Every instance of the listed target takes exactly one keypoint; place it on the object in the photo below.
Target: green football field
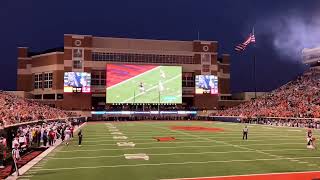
(192, 154)
(129, 91)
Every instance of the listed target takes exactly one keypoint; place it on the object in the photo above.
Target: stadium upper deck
(42, 74)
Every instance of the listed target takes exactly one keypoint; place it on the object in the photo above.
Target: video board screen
(206, 84)
(141, 84)
(79, 82)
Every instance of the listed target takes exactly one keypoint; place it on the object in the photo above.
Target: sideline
(37, 159)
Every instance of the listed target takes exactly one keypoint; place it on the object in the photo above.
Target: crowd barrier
(82, 119)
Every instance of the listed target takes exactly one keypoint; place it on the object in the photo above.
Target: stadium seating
(298, 98)
(14, 109)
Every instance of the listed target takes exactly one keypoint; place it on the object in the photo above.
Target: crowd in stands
(14, 109)
(298, 98)
(290, 122)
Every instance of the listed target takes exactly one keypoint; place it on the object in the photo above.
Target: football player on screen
(161, 87)
(141, 87)
(162, 74)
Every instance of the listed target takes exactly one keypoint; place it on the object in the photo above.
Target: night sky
(282, 28)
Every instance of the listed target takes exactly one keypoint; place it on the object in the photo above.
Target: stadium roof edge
(51, 50)
(141, 39)
(77, 35)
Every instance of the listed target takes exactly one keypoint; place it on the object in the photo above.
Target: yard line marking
(180, 136)
(170, 147)
(166, 147)
(312, 165)
(182, 142)
(87, 157)
(25, 176)
(295, 130)
(182, 153)
(233, 124)
(241, 147)
(168, 154)
(161, 164)
(302, 162)
(37, 167)
(226, 143)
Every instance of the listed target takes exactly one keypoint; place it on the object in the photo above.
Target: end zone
(308, 175)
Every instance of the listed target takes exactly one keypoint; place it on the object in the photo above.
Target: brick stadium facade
(42, 74)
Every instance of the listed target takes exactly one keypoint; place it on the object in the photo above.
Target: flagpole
(159, 103)
(254, 67)
(254, 75)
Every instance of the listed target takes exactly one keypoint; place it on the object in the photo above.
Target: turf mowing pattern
(191, 154)
(129, 92)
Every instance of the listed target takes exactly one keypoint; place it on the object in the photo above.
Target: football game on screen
(127, 83)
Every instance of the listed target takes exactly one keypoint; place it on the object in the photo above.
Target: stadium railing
(43, 120)
(240, 118)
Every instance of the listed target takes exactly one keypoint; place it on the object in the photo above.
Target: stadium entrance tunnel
(196, 128)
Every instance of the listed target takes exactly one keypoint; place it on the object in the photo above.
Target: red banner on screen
(117, 73)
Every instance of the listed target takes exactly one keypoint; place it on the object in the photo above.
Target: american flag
(242, 46)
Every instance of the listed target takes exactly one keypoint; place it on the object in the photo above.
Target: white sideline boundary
(173, 163)
(37, 159)
(245, 175)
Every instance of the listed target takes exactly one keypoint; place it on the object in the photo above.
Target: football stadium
(127, 108)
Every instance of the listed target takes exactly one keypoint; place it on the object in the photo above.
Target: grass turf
(192, 154)
(129, 92)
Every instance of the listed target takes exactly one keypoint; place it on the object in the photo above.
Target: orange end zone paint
(272, 176)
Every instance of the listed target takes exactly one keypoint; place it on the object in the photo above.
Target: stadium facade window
(38, 81)
(98, 78)
(59, 96)
(49, 96)
(77, 64)
(188, 79)
(144, 58)
(205, 68)
(38, 96)
(48, 80)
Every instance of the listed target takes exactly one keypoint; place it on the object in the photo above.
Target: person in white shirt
(14, 142)
(16, 158)
(245, 132)
(67, 135)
